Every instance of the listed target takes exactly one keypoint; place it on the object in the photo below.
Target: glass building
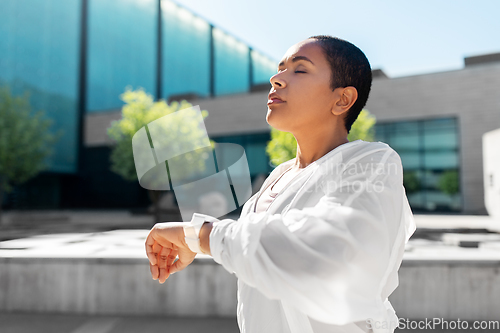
(429, 151)
(255, 146)
(75, 57)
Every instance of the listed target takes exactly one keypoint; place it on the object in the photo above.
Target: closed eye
(295, 72)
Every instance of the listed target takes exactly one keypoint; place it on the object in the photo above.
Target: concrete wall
(114, 286)
(448, 289)
(468, 289)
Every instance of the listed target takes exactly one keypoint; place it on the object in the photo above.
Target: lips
(274, 98)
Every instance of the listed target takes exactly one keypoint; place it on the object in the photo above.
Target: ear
(344, 99)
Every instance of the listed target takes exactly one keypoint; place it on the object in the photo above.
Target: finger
(183, 262)
(177, 266)
(150, 242)
(162, 264)
(171, 258)
(163, 257)
(156, 250)
(154, 271)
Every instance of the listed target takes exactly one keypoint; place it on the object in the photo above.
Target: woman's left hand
(164, 243)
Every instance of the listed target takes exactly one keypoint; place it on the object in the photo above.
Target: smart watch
(192, 231)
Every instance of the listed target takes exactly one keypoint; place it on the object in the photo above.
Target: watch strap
(192, 231)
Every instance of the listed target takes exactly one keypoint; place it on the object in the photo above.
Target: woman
(317, 249)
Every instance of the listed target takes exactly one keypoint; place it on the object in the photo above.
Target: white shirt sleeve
(329, 260)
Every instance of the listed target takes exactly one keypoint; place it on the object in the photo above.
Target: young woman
(318, 248)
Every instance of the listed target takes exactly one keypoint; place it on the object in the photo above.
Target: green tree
(141, 109)
(283, 145)
(411, 182)
(449, 182)
(25, 141)
(363, 128)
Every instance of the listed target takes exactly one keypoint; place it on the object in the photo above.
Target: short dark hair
(350, 67)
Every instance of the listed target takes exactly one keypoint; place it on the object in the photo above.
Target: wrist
(192, 232)
(205, 231)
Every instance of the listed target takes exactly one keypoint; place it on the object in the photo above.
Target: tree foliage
(25, 140)
(449, 182)
(139, 110)
(283, 145)
(411, 182)
(363, 128)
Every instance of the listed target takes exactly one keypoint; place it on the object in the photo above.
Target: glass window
(410, 159)
(441, 159)
(255, 150)
(231, 64)
(256, 157)
(121, 50)
(405, 140)
(430, 158)
(263, 68)
(441, 139)
(185, 53)
(403, 135)
(39, 53)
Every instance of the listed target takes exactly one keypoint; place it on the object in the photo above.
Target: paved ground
(100, 235)
(448, 237)
(58, 323)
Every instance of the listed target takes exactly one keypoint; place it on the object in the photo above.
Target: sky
(402, 38)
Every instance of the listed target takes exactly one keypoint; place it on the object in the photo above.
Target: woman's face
(304, 87)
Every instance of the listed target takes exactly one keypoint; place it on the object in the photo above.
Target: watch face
(198, 219)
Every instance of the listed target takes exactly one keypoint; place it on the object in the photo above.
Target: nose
(276, 80)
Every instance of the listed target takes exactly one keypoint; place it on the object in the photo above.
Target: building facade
(76, 57)
(436, 122)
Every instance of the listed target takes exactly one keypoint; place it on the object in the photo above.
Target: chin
(275, 123)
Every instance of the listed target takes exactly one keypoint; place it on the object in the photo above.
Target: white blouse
(265, 198)
(324, 255)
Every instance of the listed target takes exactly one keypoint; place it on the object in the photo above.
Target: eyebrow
(295, 59)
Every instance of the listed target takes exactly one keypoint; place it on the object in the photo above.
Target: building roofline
(482, 59)
(223, 30)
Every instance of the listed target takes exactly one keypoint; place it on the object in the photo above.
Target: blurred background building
(76, 57)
